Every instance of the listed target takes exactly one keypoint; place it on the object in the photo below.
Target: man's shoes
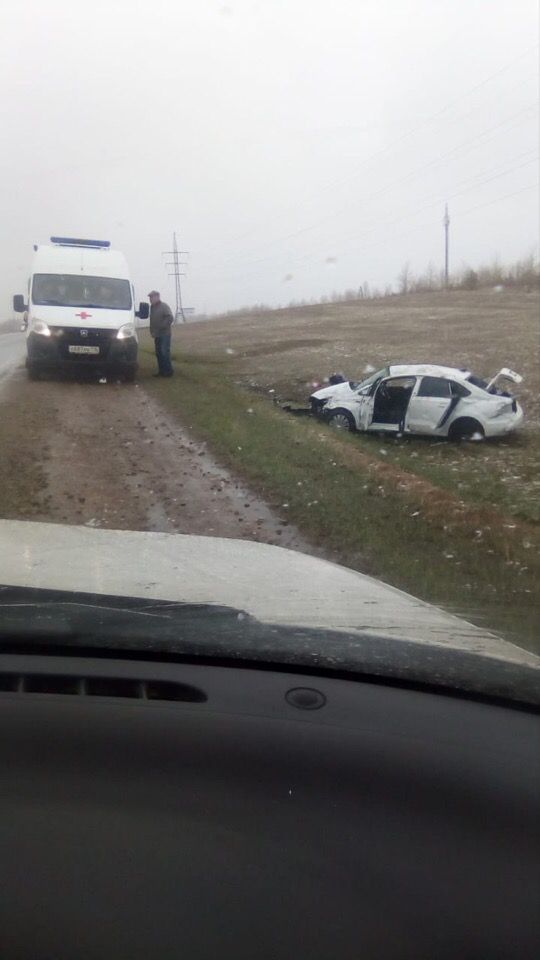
(157, 374)
(171, 374)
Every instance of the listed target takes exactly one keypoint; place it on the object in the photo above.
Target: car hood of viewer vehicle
(79, 591)
(272, 584)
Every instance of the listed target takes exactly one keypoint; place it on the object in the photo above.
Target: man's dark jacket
(161, 319)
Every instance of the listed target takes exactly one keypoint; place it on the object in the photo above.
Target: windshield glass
(309, 199)
(70, 290)
(374, 378)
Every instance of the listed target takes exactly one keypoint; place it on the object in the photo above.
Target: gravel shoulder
(106, 455)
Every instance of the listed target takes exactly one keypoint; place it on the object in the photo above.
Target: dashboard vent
(125, 687)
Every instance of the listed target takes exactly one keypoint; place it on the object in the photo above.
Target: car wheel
(33, 372)
(342, 420)
(466, 428)
(130, 375)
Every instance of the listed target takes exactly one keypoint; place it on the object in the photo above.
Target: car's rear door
(428, 405)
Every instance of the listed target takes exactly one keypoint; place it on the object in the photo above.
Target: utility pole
(176, 263)
(446, 222)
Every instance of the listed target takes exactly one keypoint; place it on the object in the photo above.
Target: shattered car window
(373, 379)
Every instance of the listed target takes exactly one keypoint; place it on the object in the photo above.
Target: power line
(440, 112)
(402, 180)
(408, 133)
(437, 200)
(406, 233)
(476, 181)
(399, 182)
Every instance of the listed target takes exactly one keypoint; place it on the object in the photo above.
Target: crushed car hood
(335, 390)
(272, 584)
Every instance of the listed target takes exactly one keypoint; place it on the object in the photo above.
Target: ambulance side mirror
(19, 305)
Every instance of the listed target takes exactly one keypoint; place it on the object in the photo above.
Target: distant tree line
(524, 274)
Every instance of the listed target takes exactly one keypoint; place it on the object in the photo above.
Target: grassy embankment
(450, 524)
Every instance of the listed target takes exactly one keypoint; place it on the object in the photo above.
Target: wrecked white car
(423, 399)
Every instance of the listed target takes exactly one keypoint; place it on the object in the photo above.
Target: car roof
(427, 370)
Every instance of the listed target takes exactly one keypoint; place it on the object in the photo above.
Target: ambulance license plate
(79, 348)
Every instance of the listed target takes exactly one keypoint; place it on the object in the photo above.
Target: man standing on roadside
(161, 321)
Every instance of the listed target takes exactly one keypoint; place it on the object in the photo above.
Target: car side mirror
(143, 312)
(19, 305)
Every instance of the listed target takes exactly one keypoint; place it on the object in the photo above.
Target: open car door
(364, 407)
(390, 402)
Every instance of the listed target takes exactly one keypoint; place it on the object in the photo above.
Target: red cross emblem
(83, 315)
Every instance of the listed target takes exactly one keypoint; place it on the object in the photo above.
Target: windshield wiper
(106, 306)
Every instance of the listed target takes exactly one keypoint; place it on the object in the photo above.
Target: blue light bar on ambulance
(74, 242)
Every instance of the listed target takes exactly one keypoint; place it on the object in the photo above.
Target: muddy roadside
(106, 455)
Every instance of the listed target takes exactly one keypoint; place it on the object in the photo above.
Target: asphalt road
(12, 352)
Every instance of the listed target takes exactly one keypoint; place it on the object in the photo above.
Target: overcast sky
(297, 146)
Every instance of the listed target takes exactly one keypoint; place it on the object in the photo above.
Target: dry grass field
(289, 350)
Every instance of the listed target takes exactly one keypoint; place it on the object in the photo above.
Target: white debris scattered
(229, 350)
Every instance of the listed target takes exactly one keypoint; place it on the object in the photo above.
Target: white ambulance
(80, 312)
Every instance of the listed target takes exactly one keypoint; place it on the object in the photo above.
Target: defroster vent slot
(126, 687)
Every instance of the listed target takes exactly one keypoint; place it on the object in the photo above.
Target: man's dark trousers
(163, 354)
